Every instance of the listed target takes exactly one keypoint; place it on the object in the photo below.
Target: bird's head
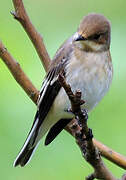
(93, 33)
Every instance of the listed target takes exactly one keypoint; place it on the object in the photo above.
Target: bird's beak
(79, 37)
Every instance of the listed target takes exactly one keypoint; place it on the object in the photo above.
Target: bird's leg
(70, 112)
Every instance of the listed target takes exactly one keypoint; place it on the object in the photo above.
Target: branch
(37, 40)
(18, 74)
(84, 135)
(110, 154)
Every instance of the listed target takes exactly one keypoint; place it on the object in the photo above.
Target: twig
(105, 151)
(111, 155)
(84, 136)
(18, 74)
(37, 40)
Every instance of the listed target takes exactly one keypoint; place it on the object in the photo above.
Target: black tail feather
(24, 157)
(55, 130)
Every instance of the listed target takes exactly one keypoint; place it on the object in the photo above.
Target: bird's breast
(92, 74)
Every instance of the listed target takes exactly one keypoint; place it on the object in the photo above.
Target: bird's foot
(69, 112)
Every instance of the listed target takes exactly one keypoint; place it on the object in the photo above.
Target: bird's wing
(50, 89)
(51, 86)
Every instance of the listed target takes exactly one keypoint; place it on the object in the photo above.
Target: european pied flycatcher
(85, 61)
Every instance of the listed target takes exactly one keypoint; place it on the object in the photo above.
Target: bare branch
(84, 136)
(105, 151)
(37, 40)
(18, 74)
(110, 154)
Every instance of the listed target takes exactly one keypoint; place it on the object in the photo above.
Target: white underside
(93, 82)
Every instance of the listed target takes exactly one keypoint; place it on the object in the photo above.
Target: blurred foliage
(57, 20)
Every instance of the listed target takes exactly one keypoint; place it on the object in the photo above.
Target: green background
(56, 20)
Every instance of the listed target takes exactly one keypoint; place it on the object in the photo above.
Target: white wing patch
(49, 80)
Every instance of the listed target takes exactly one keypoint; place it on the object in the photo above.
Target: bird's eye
(96, 36)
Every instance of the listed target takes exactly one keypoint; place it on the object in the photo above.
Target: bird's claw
(69, 110)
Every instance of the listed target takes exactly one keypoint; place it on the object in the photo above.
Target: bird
(85, 61)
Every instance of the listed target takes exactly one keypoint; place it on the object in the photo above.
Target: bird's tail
(24, 157)
(29, 146)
